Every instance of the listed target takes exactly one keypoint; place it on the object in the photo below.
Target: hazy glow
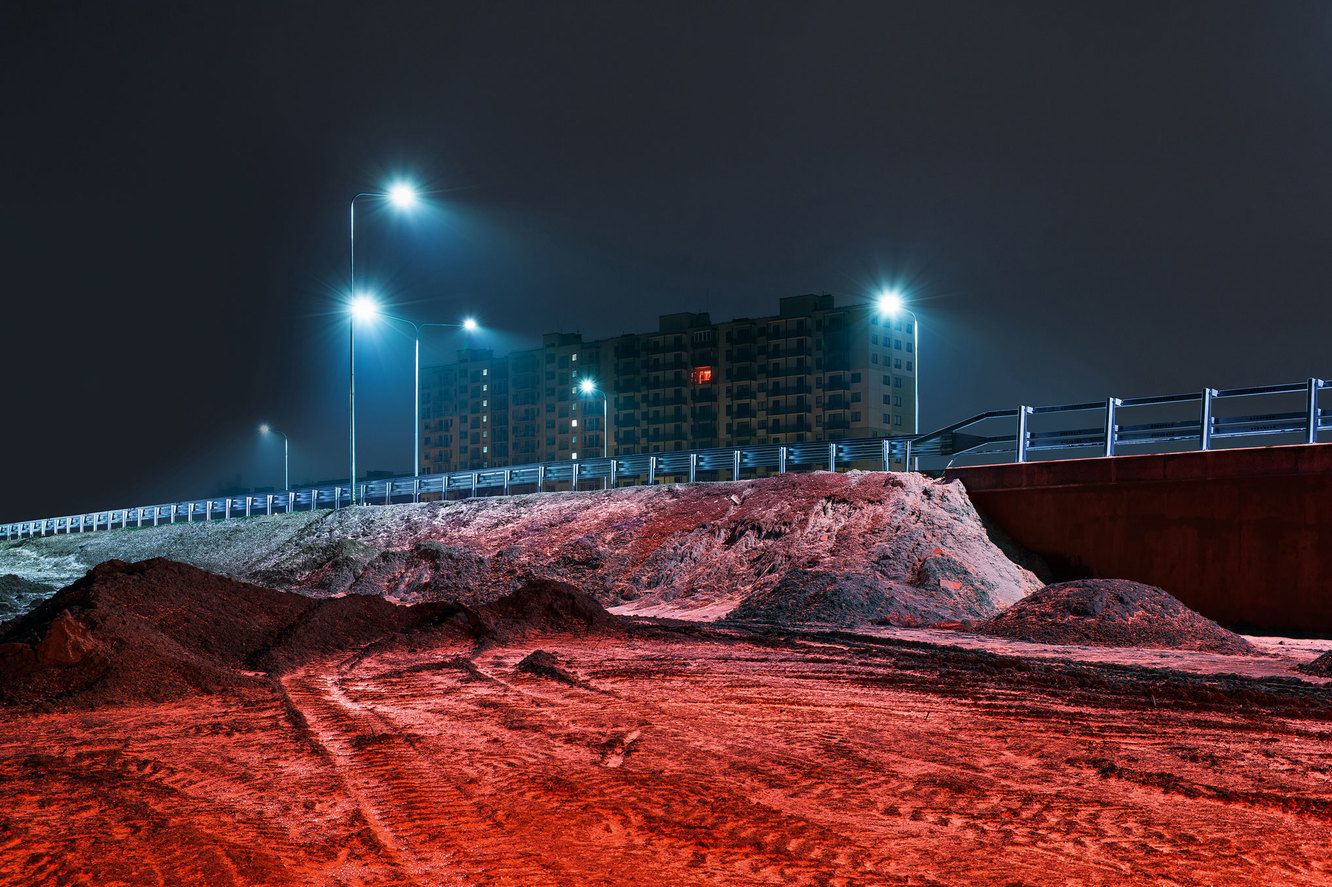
(587, 386)
(364, 308)
(891, 302)
(402, 195)
(470, 325)
(264, 429)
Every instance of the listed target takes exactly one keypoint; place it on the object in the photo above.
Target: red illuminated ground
(687, 756)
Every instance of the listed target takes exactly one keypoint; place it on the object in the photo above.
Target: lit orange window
(701, 375)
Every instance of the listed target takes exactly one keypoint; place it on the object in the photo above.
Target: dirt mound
(159, 630)
(819, 597)
(544, 606)
(1319, 668)
(1112, 613)
(544, 664)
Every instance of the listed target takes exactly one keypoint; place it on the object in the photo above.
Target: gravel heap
(1320, 667)
(1112, 613)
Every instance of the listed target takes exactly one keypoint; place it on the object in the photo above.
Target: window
(887, 380)
(700, 375)
(897, 401)
(573, 455)
(574, 423)
(897, 343)
(897, 381)
(897, 363)
(485, 387)
(855, 378)
(573, 357)
(874, 340)
(897, 420)
(874, 358)
(485, 372)
(886, 401)
(908, 366)
(887, 419)
(908, 348)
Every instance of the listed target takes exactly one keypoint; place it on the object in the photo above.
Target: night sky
(1080, 199)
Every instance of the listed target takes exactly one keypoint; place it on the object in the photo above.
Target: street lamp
(890, 304)
(589, 388)
(268, 429)
(402, 196)
(468, 324)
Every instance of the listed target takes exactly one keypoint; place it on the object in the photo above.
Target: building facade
(813, 371)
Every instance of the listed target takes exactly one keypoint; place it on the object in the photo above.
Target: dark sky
(1081, 199)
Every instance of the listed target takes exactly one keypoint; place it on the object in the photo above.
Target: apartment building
(813, 371)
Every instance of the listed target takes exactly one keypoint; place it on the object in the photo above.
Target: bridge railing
(1292, 413)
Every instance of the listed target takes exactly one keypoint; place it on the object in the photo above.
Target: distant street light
(589, 388)
(890, 304)
(469, 325)
(402, 196)
(268, 429)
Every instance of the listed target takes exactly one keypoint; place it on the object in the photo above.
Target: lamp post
(589, 388)
(268, 429)
(403, 196)
(468, 325)
(891, 304)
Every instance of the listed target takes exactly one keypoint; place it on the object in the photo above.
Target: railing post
(473, 496)
(337, 497)
(249, 504)
(906, 456)
(1022, 433)
(735, 465)
(364, 489)
(573, 477)
(832, 457)
(693, 466)
(887, 453)
(541, 478)
(1312, 436)
(781, 459)
(652, 471)
(416, 489)
(1205, 423)
(1111, 429)
(138, 516)
(268, 504)
(614, 474)
(508, 473)
(388, 492)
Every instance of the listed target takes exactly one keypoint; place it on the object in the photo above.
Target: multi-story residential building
(814, 371)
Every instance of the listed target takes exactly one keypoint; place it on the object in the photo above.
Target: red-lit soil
(687, 755)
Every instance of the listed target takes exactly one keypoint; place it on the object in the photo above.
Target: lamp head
(587, 386)
(890, 302)
(402, 195)
(264, 429)
(469, 324)
(364, 308)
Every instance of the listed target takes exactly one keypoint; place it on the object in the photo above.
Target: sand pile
(159, 630)
(692, 551)
(895, 547)
(1320, 667)
(845, 600)
(1112, 613)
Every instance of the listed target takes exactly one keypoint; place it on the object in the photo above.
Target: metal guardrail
(1014, 435)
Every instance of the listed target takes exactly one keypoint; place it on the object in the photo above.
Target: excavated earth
(159, 736)
(438, 695)
(912, 549)
(1112, 613)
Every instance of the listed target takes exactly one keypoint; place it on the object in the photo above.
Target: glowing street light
(890, 304)
(402, 196)
(589, 389)
(468, 324)
(268, 429)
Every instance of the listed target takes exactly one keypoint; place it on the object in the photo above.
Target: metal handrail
(962, 439)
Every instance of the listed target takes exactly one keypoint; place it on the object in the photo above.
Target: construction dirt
(1112, 613)
(540, 740)
(915, 547)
